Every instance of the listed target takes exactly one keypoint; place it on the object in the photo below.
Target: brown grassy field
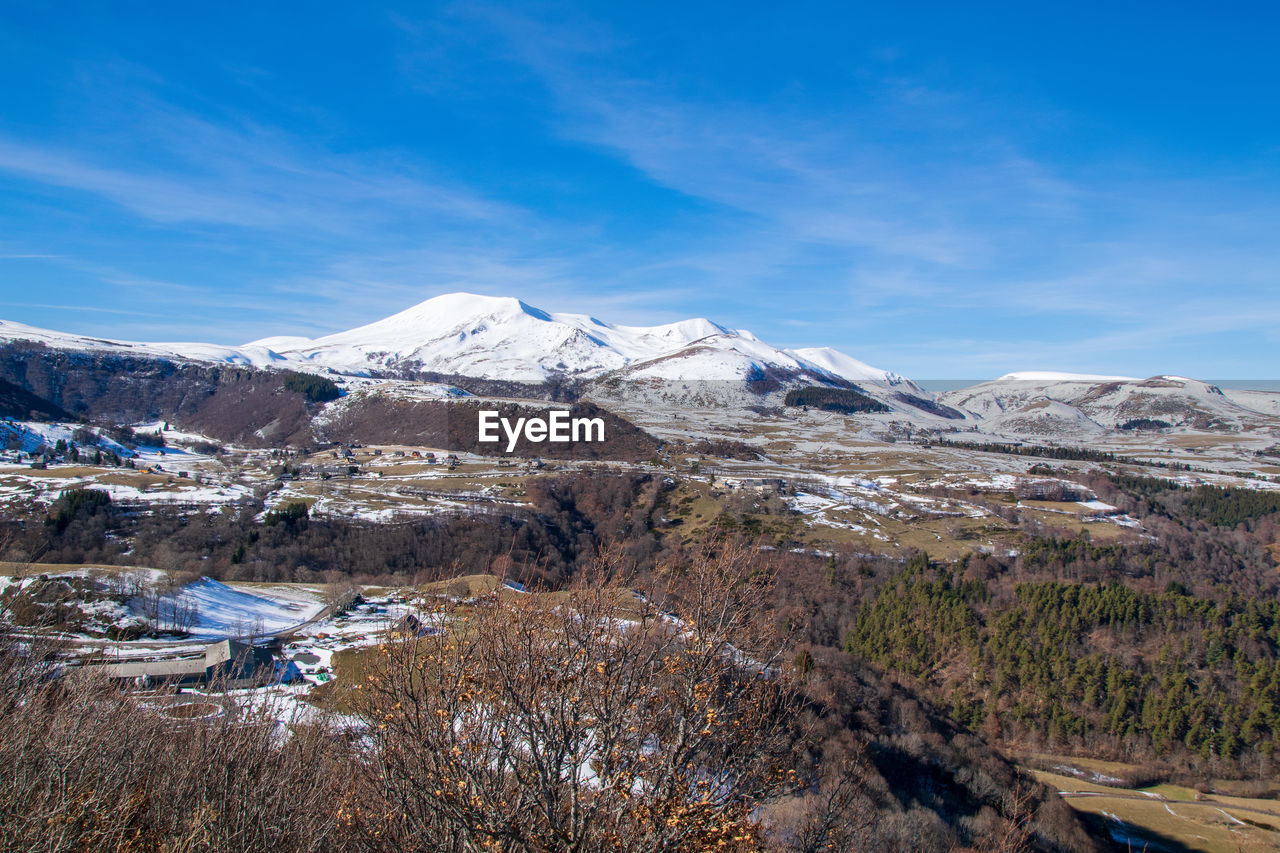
(1165, 815)
(8, 567)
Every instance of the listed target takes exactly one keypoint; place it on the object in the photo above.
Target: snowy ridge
(1057, 376)
(503, 338)
(1033, 403)
(250, 354)
(846, 367)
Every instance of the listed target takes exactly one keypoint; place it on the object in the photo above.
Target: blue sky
(946, 190)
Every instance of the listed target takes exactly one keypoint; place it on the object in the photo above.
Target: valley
(1079, 567)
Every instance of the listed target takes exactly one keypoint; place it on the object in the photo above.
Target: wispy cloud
(839, 181)
(964, 216)
(91, 309)
(179, 167)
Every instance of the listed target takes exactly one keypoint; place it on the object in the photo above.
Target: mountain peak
(462, 306)
(502, 337)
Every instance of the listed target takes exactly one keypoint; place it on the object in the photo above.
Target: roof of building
(226, 654)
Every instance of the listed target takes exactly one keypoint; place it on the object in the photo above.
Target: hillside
(1102, 402)
(490, 338)
(504, 347)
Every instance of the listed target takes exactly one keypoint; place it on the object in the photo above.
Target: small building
(229, 664)
(759, 485)
(765, 485)
(411, 626)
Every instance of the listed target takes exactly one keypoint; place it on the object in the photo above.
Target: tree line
(1100, 667)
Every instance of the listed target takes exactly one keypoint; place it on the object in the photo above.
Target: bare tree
(340, 592)
(835, 813)
(86, 767)
(176, 615)
(592, 721)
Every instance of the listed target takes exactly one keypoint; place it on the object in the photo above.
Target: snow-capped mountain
(487, 337)
(1050, 403)
(505, 338)
(491, 338)
(250, 354)
(692, 362)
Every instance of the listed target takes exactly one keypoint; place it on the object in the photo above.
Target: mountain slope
(504, 338)
(505, 345)
(1044, 403)
(20, 404)
(250, 354)
(500, 338)
(836, 362)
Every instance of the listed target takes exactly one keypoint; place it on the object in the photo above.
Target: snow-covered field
(148, 473)
(224, 610)
(131, 598)
(19, 482)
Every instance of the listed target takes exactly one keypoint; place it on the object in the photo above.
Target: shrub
(1144, 423)
(76, 502)
(847, 401)
(291, 515)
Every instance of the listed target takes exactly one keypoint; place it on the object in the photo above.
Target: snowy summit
(489, 337)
